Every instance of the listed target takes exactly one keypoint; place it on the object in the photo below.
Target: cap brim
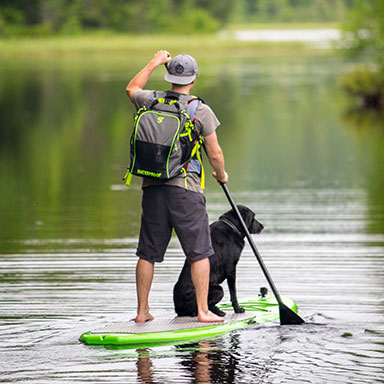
(180, 80)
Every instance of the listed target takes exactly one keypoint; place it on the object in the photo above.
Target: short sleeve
(206, 121)
(140, 98)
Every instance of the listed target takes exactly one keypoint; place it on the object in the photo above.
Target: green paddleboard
(172, 329)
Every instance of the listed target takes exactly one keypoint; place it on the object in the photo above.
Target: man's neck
(185, 89)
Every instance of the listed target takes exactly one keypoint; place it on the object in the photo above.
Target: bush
(193, 21)
(367, 85)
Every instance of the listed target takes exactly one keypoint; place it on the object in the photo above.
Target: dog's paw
(217, 311)
(239, 310)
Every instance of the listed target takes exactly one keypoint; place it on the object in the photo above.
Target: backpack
(164, 139)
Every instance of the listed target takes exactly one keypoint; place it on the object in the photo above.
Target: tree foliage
(366, 85)
(364, 33)
(293, 10)
(135, 16)
(364, 29)
(18, 17)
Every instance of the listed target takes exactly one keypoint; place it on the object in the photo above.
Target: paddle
(287, 316)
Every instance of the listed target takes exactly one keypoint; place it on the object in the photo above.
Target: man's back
(205, 123)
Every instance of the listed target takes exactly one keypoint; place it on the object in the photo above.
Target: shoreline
(236, 41)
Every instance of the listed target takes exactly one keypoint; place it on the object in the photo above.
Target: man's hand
(223, 179)
(161, 57)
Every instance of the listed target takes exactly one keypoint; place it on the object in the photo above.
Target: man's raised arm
(140, 80)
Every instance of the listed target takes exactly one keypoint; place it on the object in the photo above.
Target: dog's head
(248, 216)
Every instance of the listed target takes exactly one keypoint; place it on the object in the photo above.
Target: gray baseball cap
(182, 70)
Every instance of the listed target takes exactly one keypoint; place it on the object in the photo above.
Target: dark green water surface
(311, 169)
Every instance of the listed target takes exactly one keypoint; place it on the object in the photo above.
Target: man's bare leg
(200, 278)
(144, 276)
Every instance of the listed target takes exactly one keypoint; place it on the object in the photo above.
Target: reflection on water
(203, 362)
(273, 355)
(69, 231)
(314, 247)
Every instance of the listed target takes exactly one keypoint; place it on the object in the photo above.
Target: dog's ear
(248, 215)
(256, 227)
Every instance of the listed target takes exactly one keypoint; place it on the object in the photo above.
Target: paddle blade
(288, 317)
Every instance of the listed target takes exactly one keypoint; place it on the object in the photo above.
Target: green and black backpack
(164, 142)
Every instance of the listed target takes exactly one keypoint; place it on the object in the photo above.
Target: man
(168, 204)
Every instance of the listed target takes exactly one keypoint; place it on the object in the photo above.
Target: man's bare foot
(209, 317)
(142, 317)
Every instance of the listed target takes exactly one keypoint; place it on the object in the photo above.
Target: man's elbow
(131, 91)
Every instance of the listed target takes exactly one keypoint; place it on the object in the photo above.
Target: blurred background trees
(363, 34)
(362, 20)
(44, 17)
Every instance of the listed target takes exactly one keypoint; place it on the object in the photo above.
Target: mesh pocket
(151, 157)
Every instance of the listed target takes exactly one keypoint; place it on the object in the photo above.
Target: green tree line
(44, 17)
(364, 35)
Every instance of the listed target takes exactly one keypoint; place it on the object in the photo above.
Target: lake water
(311, 169)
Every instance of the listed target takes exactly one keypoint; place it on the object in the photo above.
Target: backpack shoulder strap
(161, 97)
(192, 105)
(150, 100)
(153, 96)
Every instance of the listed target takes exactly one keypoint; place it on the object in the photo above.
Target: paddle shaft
(252, 244)
(287, 316)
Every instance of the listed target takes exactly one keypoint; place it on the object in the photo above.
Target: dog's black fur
(228, 243)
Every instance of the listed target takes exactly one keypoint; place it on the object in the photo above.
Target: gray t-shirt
(205, 123)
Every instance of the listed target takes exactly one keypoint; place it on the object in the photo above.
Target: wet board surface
(172, 329)
(167, 323)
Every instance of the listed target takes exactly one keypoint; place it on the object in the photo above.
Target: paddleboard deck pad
(173, 329)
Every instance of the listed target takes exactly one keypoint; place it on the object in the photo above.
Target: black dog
(228, 242)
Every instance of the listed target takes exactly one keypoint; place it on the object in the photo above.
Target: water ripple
(52, 290)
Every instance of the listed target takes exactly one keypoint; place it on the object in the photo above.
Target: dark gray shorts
(167, 207)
